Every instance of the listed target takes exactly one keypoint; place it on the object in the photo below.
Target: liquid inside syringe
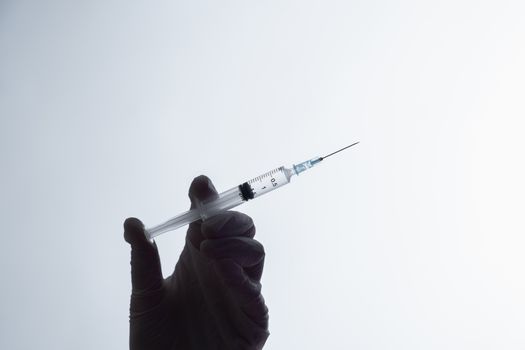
(235, 196)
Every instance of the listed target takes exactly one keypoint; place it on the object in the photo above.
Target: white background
(411, 240)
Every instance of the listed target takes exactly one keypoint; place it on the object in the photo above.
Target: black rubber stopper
(246, 191)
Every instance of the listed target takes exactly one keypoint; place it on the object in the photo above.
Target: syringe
(250, 189)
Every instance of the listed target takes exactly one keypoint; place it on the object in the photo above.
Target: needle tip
(342, 149)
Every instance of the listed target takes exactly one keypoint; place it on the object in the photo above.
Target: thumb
(146, 273)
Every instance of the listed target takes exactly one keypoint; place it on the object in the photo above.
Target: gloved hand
(213, 298)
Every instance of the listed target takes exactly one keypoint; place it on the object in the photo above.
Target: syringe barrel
(224, 201)
(251, 189)
(229, 199)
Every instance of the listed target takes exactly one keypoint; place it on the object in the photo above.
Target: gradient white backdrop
(412, 240)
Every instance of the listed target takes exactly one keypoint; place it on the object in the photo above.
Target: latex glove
(213, 298)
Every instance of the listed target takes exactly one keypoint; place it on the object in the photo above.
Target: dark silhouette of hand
(213, 298)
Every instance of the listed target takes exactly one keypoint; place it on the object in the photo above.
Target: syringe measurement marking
(261, 177)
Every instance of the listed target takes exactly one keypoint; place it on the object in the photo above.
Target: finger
(201, 189)
(243, 288)
(134, 234)
(146, 273)
(246, 295)
(246, 252)
(257, 311)
(228, 224)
